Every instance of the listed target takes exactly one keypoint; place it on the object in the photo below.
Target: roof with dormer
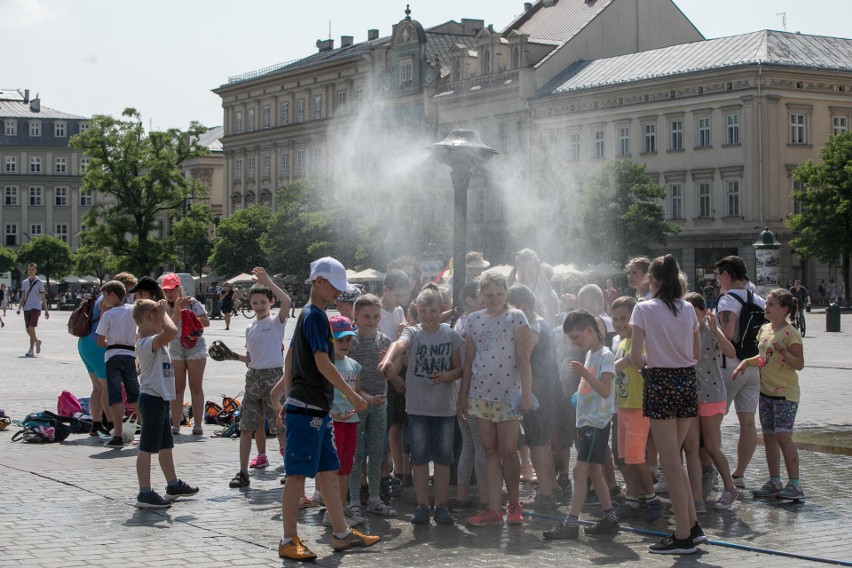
(12, 105)
(557, 20)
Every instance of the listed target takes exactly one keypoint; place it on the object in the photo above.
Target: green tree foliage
(191, 236)
(8, 259)
(237, 248)
(620, 215)
(824, 226)
(52, 255)
(139, 175)
(94, 260)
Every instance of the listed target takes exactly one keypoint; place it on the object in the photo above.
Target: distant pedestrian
(5, 294)
(832, 292)
(226, 297)
(33, 301)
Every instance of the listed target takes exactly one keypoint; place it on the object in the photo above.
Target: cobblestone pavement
(71, 504)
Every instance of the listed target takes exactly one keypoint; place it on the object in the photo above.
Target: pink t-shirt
(669, 339)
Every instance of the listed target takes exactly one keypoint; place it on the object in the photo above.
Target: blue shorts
(92, 355)
(310, 443)
(156, 424)
(121, 370)
(432, 439)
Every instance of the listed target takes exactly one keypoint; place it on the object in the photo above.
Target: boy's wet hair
(446, 295)
(696, 300)
(114, 287)
(786, 300)
(366, 300)
(519, 295)
(623, 302)
(396, 279)
(581, 319)
(733, 265)
(142, 307)
(261, 289)
(430, 295)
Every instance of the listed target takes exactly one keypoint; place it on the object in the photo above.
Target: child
(264, 360)
(497, 374)
(637, 277)
(595, 397)
(342, 412)
(345, 304)
(434, 366)
(156, 390)
(310, 378)
(368, 348)
(633, 428)
(117, 333)
(781, 355)
(712, 403)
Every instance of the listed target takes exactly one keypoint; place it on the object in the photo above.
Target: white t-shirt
(264, 341)
(33, 290)
(389, 324)
(119, 327)
(593, 409)
(669, 339)
(496, 377)
(728, 304)
(156, 376)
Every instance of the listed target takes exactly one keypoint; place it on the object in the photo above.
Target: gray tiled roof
(441, 45)
(765, 47)
(12, 106)
(560, 21)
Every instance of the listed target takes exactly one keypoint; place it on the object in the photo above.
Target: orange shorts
(712, 408)
(633, 431)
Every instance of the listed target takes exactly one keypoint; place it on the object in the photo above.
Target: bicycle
(244, 308)
(800, 321)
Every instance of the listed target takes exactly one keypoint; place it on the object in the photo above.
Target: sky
(163, 58)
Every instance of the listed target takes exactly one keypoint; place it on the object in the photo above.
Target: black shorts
(156, 424)
(565, 423)
(396, 408)
(592, 444)
(540, 424)
(670, 393)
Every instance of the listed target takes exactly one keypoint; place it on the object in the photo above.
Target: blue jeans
(370, 446)
(431, 439)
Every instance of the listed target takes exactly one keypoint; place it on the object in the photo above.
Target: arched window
(516, 57)
(486, 62)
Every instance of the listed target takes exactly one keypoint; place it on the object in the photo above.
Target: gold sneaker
(353, 540)
(295, 550)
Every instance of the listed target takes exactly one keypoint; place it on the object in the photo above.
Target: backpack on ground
(67, 404)
(42, 427)
(751, 320)
(80, 322)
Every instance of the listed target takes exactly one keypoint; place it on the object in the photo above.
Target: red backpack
(190, 329)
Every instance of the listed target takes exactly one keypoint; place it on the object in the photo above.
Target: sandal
(240, 480)
(381, 509)
(307, 503)
(197, 430)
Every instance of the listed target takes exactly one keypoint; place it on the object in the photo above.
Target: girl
(712, 402)
(496, 374)
(227, 299)
(666, 330)
(93, 359)
(637, 277)
(781, 355)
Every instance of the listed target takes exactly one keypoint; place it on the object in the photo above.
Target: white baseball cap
(331, 269)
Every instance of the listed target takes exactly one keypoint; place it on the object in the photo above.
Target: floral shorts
(490, 410)
(670, 393)
(777, 415)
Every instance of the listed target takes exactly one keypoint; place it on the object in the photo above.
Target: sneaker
(672, 545)
(151, 500)
(259, 461)
(791, 492)
(770, 489)
(351, 521)
(661, 486)
(488, 517)
(29, 353)
(602, 528)
(182, 489)
(707, 480)
(696, 534)
(562, 531)
(354, 512)
(295, 550)
(240, 480)
(726, 499)
(739, 481)
(616, 496)
(653, 510)
(114, 442)
(626, 512)
(381, 509)
(175, 430)
(38, 346)
(542, 503)
(420, 516)
(353, 540)
(515, 514)
(442, 516)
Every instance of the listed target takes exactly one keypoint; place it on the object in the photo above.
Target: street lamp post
(463, 151)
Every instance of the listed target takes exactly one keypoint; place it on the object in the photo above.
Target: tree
(824, 225)
(98, 261)
(8, 260)
(237, 248)
(191, 237)
(51, 254)
(139, 174)
(620, 215)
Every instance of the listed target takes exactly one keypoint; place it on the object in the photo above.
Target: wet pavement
(71, 504)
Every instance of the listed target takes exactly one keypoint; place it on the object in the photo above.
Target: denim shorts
(310, 443)
(432, 439)
(121, 370)
(156, 424)
(180, 353)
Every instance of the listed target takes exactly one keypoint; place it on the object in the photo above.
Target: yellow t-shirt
(776, 377)
(629, 382)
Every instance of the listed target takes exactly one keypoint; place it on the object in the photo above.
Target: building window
(624, 141)
(649, 131)
(676, 200)
(516, 57)
(704, 132)
(266, 166)
(359, 98)
(35, 128)
(36, 197)
(406, 73)
(86, 198)
(11, 164)
(732, 198)
(36, 230)
(574, 145)
(300, 163)
(238, 170)
(598, 152)
(839, 124)
(798, 129)
(284, 170)
(35, 165)
(238, 122)
(250, 171)
(83, 126)
(62, 232)
(676, 135)
(341, 102)
(84, 165)
(732, 130)
(250, 119)
(11, 127)
(486, 61)
(317, 107)
(11, 195)
(705, 200)
(60, 196)
(457, 66)
(797, 203)
(285, 114)
(59, 129)
(266, 117)
(300, 111)
(316, 162)
(61, 166)
(11, 234)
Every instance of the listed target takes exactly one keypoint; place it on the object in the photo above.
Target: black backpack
(751, 320)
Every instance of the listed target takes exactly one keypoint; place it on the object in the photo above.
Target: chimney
(26, 96)
(35, 104)
(325, 44)
(346, 41)
(372, 34)
(471, 27)
(527, 6)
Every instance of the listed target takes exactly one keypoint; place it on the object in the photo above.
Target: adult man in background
(33, 299)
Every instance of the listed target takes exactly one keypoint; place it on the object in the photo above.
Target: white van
(186, 281)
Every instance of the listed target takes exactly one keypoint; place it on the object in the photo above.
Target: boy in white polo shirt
(265, 360)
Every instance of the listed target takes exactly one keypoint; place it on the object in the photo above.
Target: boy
(368, 347)
(309, 380)
(117, 333)
(156, 390)
(594, 412)
(633, 428)
(265, 362)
